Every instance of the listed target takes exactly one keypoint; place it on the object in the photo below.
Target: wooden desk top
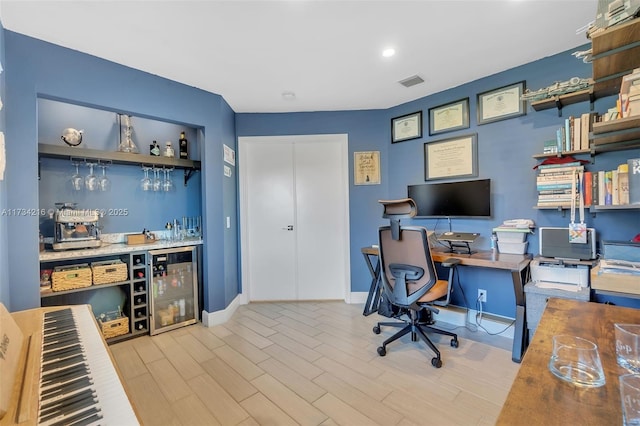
(481, 258)
(537, 397)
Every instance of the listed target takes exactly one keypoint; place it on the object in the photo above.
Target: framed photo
(502, 103)
(366, 168)
(449, 117)
(406, 127)
(451, 158)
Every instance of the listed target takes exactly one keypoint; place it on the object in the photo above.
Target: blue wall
(505, 151)
(36, 69)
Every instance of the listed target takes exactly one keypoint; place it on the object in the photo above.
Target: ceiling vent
(411, 81)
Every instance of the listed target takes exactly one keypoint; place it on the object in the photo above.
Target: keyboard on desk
(463, 237)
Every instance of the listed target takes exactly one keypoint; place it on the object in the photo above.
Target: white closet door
(320, 220)
(298, 183)
(269, 214)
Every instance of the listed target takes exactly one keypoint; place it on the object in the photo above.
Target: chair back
(406, 266)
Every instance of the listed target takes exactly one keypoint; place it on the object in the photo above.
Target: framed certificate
(501, 104)
(451, 158)
(449, 117)
(366, 168)
(406, 127)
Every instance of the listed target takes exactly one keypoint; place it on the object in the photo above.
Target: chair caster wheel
(436, 362)
(454, 343)
(382, 351)
(376, 329)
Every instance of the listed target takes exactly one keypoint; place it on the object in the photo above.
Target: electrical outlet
(482, 295)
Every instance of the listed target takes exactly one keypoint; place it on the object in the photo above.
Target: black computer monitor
(471, 198)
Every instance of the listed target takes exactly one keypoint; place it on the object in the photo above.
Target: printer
(559, 274)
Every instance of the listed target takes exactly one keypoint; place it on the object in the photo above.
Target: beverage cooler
(174, 288)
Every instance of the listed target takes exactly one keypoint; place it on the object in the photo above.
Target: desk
(538, 397)
(517, 264)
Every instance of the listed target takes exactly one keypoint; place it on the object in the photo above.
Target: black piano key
(48, 407)
(65, 374)
(87, 420)
(69, 409)
(59, 335)
(75, 417)
(61, 352)
(61, 342)
(65, 387)
(61, 363)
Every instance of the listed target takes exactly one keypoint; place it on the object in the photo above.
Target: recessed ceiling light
(288, 96)
(387, 53)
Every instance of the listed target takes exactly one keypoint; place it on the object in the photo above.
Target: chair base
(417, 326)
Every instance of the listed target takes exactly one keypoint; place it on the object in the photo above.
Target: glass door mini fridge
(174, 288)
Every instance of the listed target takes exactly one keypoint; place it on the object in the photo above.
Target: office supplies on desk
(458, 241)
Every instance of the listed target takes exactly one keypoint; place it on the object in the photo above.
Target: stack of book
(554, 184)
(608, 187)
(574, 135)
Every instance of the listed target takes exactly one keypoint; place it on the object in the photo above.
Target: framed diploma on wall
(449, 117)
(406, 127)
(454, 157)
(502, 103)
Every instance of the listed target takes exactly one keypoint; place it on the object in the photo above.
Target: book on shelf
(623, 183)
(601, 190)
(633, 165)
(608, 188)
(576, 134)
(544, 186)
(554, 191)
(568, 125)
(553, 178)
(560, 168)
(586, 123)
(587, 187)
(595, 177)
(615, 192)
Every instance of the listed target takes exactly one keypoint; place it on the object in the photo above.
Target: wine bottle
(183, 145)
(154, 149)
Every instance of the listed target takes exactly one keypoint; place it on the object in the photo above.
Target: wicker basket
(70, 277)
(113, 328)
(110, 271)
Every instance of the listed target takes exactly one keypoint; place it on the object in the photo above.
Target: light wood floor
(311, 363)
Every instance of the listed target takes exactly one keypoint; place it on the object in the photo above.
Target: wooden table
(516, 264)
(538, 397)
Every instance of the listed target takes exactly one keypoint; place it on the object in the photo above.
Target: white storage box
(512, 235)
(512, 248)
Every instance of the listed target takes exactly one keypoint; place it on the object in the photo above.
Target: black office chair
(409, 277)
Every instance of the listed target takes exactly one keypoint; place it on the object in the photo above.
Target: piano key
(113, 406)
(79, 416)
(62, 388)
(87, 420)
(66, 400)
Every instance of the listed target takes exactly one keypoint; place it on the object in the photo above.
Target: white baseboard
(209, 319)
(456, 316)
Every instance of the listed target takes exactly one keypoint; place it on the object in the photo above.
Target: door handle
(288, 228)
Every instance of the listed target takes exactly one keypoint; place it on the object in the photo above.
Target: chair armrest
(450, 262)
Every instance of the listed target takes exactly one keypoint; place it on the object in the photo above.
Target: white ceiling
(326, 52)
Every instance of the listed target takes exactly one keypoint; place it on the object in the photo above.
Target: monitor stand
(459, 247)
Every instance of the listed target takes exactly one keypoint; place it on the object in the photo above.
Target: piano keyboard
(78, 383)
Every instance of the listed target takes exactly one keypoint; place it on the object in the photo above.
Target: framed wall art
(451, 158)
(366, 168)
(406, 127)
(502, 103)
(449, 117)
